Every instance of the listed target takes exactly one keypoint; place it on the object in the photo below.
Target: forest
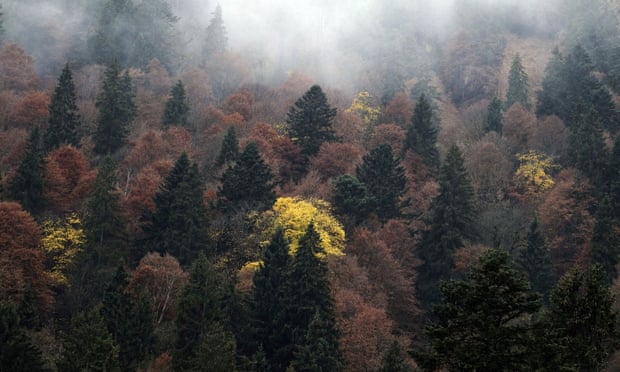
(309, 186)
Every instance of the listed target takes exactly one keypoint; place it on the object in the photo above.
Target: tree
(26, 186)
(518, 86)
(310, 121)
(451, 224)
(586, 149)
(116, 110)
(483, 323)
(605, 244)
(177, 109)
(535, 260)
(64, 120)
(17, 353)
(229, 152)
(494, 118)
(352, 199)
(63, 241)
(385, 180)
(394, 360)
(319, 350)
(178, 224)
(533, 176)
(215, 36)
(248, 182)
(67, 180)
(422, 134)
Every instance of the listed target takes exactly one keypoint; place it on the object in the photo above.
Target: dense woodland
(431, 195)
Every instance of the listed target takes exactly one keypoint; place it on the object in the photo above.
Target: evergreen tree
(352, 199)
(494, 118)
(248, 182)
(64, 120)
(605, 245)
(215, 37)
(17, 354)
(586, 148)
(535, 261)
(177, 109)
(422, 134)
(26, 186)
(483, 323)
(229, 152)
(613, 179)
(319, 350)
(394, 360)
(310, 121)
(178, 225)
(550, 100)
(518, 86)
(385, 180)
(451, 223)
(116, 110)
(89, 345)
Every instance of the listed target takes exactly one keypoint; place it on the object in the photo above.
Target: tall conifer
(422, 134)
(176, 111)
(26, 186)
(64, 119)
(518, 86)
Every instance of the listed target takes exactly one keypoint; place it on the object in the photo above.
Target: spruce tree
(550, 100)
(64, 120)
(535, 260)
(215, 36)
(229, 152)
(586, 149)
(17, 353)
(452, 222)
(178, 225)
(319, 348)
(385, 180)
(177, 109)
(394, 359)
(605, 244)
(248, 182)
(310, 121)
(422, 134)
(494, 118)
(352, 199)
(26, 186)
(116, 111)
(518, 86)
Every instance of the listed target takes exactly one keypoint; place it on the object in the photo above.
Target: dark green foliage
(310, 121)
(217, 351)
(422, 134)
(483, 323)
(586, 149)
(64, 121)
(229, 152)
(177, 109)
(319, 350)
(385, 181)
(352, 199)
(535, 260)
(17, 354)
(550, 100)
(605, 246)
(215, 36)
(518, 86)
(580, 324)
(89, 345)
(613, 179)
(26, 186)
(394, 359)
(452, 222)
(248, 182)
(494, 119)
(179, 224)
(116, 110)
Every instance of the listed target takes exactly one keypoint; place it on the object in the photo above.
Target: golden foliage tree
(62, 241)
(532, 176)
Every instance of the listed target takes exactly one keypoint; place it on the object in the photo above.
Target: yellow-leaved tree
(62, 240)
(365, 107)
(533, 175)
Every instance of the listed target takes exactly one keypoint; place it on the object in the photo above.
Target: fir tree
(587, 150)
(550, 100)
(310, 121)
(177, 109)
(319, 349)
(605, 245)
(352, 199)
(17, 354)
(64, 120)
(422, 134)
(178, 225)
(116, 111)
(518, 86)
(494, 118)
(248, 182)
(385, 180)
(215, 37)
(535, 261)
(229, 152)
(26, 186)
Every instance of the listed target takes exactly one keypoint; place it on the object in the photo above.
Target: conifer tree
(422, 134)
(17, 353)
(215, 37)
(248, 182)
(613, 179)
(352, 199)
(229, 152)
(310, 121)
(64, 120)
(549, 100)
(494, 118)
(385, 180)
(535, 261)
(394, 360)
(178, 225)
(518, 86)
(116, 110)
(319, 348)
(587, 150)
(177, 109)
(451, 224)
(26, 186)
(605, 245)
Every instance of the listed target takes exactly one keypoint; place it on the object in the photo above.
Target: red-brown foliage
(241, 103)
(518, 127)
(67, 179)
(399, 111)
(32, 110)
(390, 134)
(335, 159)
(17, 69)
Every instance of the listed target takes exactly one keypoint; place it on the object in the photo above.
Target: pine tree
(116, 111)
(385, 180)
(483, 322)
(422, 134)
(26, 186)
(248, 182)
(64, 119)
(494, 118)
(586, 149)
(451, 223)
(535, 260)
(352, 199)
(215, 37)
(518, 86)
(177, 109)
(17, 354)
(229, 152)
(310, 121)
(178, 225)
(605, 245)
